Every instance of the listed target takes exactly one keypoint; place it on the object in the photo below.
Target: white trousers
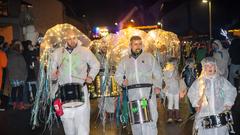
(149, 128)
(76, 121)
(173, 101)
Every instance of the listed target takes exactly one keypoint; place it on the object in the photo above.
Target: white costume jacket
(143, 69)
(218, 93)
(73, 69)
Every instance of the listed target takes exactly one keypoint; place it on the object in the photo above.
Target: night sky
(106, 12)
(103, 12)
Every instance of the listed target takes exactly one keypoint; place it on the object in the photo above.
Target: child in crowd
(189, 75)
(174, 89)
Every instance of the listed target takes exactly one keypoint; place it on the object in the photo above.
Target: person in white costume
(211, 94)
(222, 58)
(108, 103)
(69, 65)
(137, 68)
(175, 88)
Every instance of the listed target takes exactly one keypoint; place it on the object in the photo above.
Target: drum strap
(142, 85)
(150, 95)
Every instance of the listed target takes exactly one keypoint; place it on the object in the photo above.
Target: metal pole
(210, 20)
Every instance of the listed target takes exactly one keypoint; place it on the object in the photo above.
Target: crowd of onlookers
(225, 54)
(19, 64)
(227, 59)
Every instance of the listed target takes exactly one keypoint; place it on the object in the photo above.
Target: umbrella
(56, 37)
(165, 41)
(121, 47)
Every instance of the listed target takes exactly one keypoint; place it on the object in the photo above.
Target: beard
(72, 46)
(137, 51)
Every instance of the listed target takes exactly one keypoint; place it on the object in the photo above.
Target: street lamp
(159, 24)
(210, 17)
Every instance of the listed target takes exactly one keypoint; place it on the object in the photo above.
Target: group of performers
(140, 77)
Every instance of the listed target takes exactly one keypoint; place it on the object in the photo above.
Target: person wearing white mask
(69, 65)
(212, 96)
(222, 57)
(137, 68)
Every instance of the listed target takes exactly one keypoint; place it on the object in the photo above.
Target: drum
(72, 95)
(214, 121)
(139, 111)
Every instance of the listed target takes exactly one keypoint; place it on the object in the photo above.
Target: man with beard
(136, 69)
(70, 64)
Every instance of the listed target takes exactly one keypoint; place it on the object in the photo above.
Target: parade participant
(101, 56)
(174, 88)
(138, 68)
(69, 66)
(212, 96)
(222, 58)
(105, 102)
(189, 74)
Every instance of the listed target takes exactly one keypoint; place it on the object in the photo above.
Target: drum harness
(57, 93)
(123, 118)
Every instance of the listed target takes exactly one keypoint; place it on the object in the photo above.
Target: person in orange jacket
(3, 64)
(3, 61)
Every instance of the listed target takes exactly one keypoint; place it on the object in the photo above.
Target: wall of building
(47, 13)
(7, 32)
